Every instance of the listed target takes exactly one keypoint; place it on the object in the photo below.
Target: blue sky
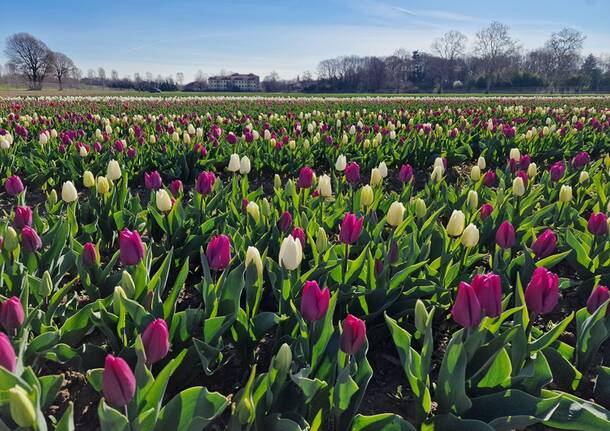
(289, 36)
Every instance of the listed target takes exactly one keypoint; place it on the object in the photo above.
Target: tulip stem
(345, 260)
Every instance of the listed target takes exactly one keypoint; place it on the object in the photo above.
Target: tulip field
(259, 263)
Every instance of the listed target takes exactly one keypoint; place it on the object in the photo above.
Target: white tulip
(163, 200)
(291, 253)
(113, 172)
(68, 192)
(244, 165)
(234, 163)
(341, 163)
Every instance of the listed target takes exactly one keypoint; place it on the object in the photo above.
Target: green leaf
(191, 410)
(111, 419)
(382, 422)
(451, 387)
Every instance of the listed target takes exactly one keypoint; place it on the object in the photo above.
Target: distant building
(234, 82)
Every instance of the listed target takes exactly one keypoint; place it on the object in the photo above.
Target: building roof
(234, 77)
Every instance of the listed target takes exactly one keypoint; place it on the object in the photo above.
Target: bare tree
(114, 75)
(450, 47)
(494, 46)
(180, 78)
(63, 67)
(564, 48)
(101, 74)
(30, 56)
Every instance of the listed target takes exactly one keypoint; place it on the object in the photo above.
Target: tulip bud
(353, 335)
(127, 284)
(565, 194)
(324, 186)
(13, 185)
(515, 154)
(470, 236)
(291, 253)
(341, 163)
(383, 169)
(156, 341)
(505, 235)
(289, 187)
(277, 181)
(21, 407)
(350, 229)
(545, 244)
(542, 292)
(11, 314)
(532, 170)
(405, 174)
(395, 214)
(437, 174)
(473, 199)
(254, 211)
(88, 179)
(102, 185)
(420, 207)
(89, 254)
(598, 224)
(218, 252)
(118, 382)
(455, 225)
(113, 171)
(163, 200)
(321, 240)
(46, 284)
(488, 288)
(366, 195)
(234, 163)
(481, 163)
(285, 222)
(283, 360)
(598, 297)
(68, 192)
(518, 186)
(314, 301)
(131, 247)
(475, 173)
(8, 359)
(583, 177)
(52, 198)
(421, 316)
(11, 239)
(204, 183)
(466, 310)
(376, 177)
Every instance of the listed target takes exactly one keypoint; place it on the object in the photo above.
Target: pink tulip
(118, 382)
(598, 224)
(485, 211)
(352, 172)
(30, 241)
(11, 314)
(8, 359)
(156, 341)
(205, 182)
(505, 235)
(13, 185)
(305, 177)
(545, 244)
(153, 180)
(351, 227)
(176, 187)
(488, 288)
(218, 252)
(131, 247)
(23, 217)
(353, 335)
(598, 297)
(466, 310)
(89, 255)
(542, 292)
(298, 233)
(314, 301)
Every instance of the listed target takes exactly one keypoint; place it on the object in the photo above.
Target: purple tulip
(581, 159)
(11, 314)
(488, 288)
(218, 252)
(23, 217)
(353, 335)
(89, 255)
(8, 359)
(305, 178)
(598, 224)
(298, 233)
(352, 172)
(542, 292)
(153, 180)
(489, 179)
(394, 252)
(314, 301)
(523, 175)
(351, 227)
(598, 297)
(132, 152)
(156, 341)
(131, 247)
(176, 187)
(405, 174)
(285, 221)
(466, 310)
(13, 185)
(119, 145)
(30, 241)
(557, 170)
(118, 382)
(505, 235)
(545, 244)
(205, 182)
(485, 211)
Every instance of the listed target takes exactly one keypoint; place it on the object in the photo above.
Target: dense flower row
(152, 252)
